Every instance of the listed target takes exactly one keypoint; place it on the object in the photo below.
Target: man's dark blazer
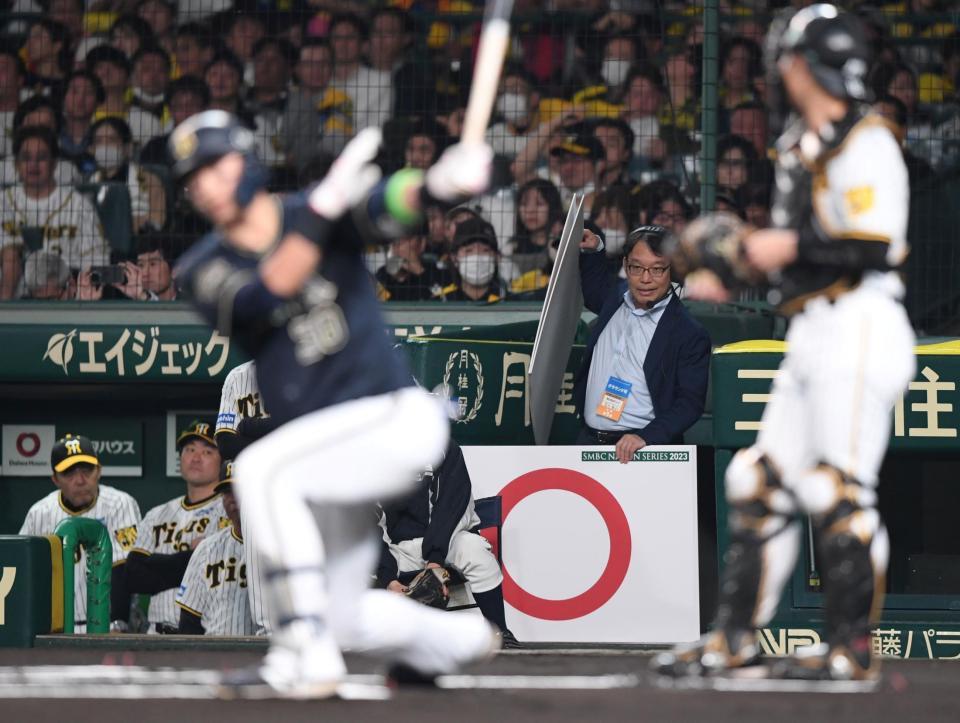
(677, 362)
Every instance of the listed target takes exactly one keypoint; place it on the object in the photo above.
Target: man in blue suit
(644, 375)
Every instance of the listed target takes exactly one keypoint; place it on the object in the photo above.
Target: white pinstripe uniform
(69, 223)
(214, 587)
(118, 512)
(170, 528)
(240, 399)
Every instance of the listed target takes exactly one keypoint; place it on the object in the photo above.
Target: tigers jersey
(68, 220)
(118, 512)
(170, 528)
(239, 398)
(214, 587)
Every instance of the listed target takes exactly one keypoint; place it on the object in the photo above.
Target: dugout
(130, 375)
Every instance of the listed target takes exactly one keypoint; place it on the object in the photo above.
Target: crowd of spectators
(600, 97)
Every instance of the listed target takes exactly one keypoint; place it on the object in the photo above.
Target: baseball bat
(494, 38)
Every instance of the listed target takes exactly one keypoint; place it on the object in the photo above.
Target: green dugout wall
(130, 375)
(919, 492)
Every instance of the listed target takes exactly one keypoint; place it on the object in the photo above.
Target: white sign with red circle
(594, 550)
(26, 449)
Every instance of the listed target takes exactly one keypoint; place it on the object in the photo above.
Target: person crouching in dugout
(434, 527)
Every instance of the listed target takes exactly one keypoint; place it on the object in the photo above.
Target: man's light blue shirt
(620, 352)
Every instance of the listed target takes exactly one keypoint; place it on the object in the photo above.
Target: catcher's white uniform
(850, 356)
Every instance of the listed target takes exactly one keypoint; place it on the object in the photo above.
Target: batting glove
(462, 172)
(350, 178)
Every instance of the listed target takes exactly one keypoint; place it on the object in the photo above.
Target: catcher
(428, 535)
(831, 262)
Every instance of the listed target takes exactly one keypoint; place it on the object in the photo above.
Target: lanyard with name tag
(614, 399)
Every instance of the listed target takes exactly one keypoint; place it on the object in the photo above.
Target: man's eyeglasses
(656, 272)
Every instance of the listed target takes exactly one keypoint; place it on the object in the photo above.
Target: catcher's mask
(832, 42)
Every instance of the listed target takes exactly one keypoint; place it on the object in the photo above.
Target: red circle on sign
(618, 528)
(34, 441)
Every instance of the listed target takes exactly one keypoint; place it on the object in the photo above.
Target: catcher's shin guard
(763, 542)
(853, 549)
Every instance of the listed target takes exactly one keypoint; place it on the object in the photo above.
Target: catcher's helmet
(206, 137)
(834, 45)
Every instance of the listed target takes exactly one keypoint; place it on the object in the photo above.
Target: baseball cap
(582, 144)
(225, 483)
(198, 429)
(71, 450)
(471, 230)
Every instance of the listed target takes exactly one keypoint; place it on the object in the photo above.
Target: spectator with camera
(149, 279)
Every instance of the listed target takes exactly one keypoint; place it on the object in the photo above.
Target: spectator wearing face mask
(539, 220)
(151, 76)
(475, 257)
(112, 67)
(620, 53)
(112, 146)
(516, 106)
(613, 213)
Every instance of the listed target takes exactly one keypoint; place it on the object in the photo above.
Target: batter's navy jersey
(324, 346)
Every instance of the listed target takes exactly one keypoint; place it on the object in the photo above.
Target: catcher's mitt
(714, 242)
(430, 588)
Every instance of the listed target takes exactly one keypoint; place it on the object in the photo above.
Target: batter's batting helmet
(834, 45)
(206, 137)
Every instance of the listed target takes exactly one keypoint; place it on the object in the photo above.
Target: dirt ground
(917, 690)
